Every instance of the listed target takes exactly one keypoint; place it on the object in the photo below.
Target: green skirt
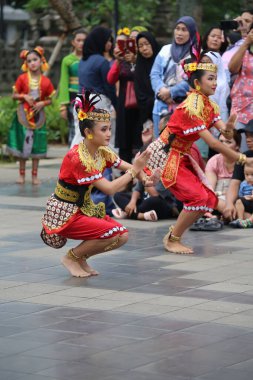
(24, 142)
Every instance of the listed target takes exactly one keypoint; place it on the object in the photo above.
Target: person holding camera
(166, 74)
(128, 126)
(240, 25)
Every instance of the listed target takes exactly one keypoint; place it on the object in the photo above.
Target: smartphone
(229, 24)
(122, 46)
(131, 45)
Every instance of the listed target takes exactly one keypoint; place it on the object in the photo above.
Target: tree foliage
(95, 12)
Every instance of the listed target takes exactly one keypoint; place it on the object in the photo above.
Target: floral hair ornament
(84, 105)
(39, 50)
(124, 31)
(191, 67)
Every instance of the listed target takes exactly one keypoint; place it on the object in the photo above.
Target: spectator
(214, 40)
(245, 20)
(166, 74)
(128, 127)
(68, 86)
(144, 204)
(219, 168)
(93, 69)
(244, 205)
(147, 51)
(242, 90)
(230, 212)
(222, 90)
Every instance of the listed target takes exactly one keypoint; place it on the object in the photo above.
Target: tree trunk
(65, 10)
(192, 8)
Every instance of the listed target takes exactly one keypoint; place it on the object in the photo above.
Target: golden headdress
(190, 67)
(39, 50)
(84, 105)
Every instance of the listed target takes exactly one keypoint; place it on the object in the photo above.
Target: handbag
(130, 100)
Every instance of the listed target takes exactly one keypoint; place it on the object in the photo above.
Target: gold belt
(66, 195)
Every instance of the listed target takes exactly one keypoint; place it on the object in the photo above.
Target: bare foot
(35, 181)
(74, 267)
(176, 246)
(21, 180)
(87, 268)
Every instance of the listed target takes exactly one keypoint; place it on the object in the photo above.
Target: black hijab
(143, 67)
(96, 41)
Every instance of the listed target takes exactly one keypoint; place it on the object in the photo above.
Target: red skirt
(84, 227)
(189, 189)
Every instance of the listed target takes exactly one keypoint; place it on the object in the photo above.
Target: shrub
(57, 127)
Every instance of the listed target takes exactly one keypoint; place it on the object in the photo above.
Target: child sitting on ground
(244, 204)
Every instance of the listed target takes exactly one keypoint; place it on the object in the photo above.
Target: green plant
(57, 127)
(7, 109)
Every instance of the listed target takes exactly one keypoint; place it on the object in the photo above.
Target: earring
(197, 88)
(89, 136)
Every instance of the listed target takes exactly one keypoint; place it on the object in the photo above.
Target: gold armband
(242, 159)
(132, 172)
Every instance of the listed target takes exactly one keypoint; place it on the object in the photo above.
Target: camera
(229, 24)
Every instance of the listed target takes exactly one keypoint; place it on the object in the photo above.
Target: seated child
(244, 204)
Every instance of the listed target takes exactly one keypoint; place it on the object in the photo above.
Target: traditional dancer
(191, 120)
(70, 211)
(28, 136)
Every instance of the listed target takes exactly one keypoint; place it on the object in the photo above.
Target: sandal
(150, 216)
(118, 213)
(241, 223)
(203, 224)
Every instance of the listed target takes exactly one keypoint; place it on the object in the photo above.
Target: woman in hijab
(148, 49)
(166, 74)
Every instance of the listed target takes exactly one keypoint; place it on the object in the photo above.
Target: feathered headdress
(39, 50)
(190, 68)
(84, 105)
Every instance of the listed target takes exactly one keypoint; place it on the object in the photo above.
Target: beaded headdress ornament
(190, 68)
(40, 51)
(84, 105)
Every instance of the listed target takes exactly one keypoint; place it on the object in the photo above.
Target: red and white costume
(180, 172)
(70, 211)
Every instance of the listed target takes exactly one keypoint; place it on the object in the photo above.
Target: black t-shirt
(239, 169)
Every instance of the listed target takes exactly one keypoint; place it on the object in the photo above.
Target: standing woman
(242, 91)
(148, 49)
(128, 127)
(214, 40)
(166, 73)
(180, 173)
(28, 135)
(71, 213)
(93, 69)
(68, 86)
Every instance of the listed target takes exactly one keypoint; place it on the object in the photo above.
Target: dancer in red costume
(27, 135)
(171, 151)
(70, 211)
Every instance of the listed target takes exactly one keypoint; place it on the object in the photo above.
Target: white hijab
(222, 91)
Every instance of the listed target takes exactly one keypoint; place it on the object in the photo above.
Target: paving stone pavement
(149, 315)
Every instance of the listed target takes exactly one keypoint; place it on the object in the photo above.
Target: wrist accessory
(242, 159)
(132, 172)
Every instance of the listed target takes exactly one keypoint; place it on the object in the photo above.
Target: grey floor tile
(27, 364)
(79, 370)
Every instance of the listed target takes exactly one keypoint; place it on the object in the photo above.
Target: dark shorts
(248, 205)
